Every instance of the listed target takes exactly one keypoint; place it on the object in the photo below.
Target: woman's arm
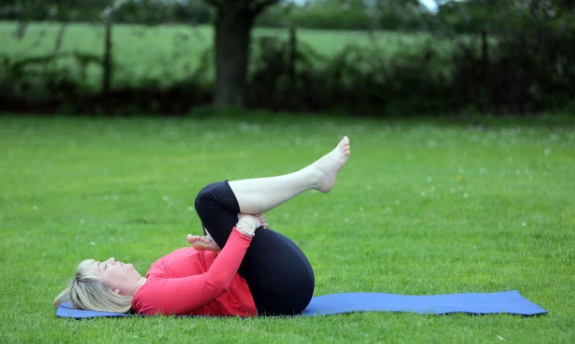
(183, 295)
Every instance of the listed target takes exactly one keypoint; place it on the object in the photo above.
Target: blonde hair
(86, 291)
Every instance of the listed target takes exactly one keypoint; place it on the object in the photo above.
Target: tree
(403, 15)
(233, 24)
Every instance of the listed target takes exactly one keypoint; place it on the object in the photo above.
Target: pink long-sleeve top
(190, 282)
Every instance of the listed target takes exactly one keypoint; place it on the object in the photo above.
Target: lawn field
(171, 52)
(421, 208)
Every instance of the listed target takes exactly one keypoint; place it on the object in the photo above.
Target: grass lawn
(421, 208)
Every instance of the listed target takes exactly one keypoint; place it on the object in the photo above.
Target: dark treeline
(396, 15)
(405, 15)
(129, 11)
(503, 57)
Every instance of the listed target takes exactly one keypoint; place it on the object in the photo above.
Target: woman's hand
(249, 223)
(263, 222)
(203, 243)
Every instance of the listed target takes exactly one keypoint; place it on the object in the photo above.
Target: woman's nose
(111, 260)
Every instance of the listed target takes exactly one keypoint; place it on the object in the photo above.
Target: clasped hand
(251, 222)
(206, 243)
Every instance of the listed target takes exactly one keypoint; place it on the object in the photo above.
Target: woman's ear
(117, 291)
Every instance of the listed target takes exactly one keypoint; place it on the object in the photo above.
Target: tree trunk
(232, 53)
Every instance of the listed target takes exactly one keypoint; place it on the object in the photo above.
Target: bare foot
(330, 164)
(203, 243)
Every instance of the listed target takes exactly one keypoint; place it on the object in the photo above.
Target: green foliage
(169, 69)
(39, 79)
(405, 15)
(151, 12)
(421, 208)
(498, 17)
(510, 76)
(518, 58)
(61, 10)
(474, 16)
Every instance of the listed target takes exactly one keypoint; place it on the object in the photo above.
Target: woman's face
(119, 277)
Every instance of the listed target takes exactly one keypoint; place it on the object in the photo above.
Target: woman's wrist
(245, 228)
(243, 231)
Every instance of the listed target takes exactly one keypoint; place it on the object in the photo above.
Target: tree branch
(261, 5)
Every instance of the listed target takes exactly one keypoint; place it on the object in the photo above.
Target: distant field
(172, 52)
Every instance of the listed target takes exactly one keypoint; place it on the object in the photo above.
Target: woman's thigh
(278, 273)
(218, 210)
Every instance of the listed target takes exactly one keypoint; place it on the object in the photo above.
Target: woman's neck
(139, 284)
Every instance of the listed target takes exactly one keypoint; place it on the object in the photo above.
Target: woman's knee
(204, 197)
(219, 194)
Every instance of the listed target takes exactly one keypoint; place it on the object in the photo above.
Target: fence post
(107, 63)
(59, 38)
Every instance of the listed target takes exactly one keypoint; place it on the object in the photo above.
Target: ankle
(314, 176)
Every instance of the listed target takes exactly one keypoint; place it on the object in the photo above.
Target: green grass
(171, 52)
(421, 208)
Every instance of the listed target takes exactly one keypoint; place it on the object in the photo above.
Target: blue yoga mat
(508, 302)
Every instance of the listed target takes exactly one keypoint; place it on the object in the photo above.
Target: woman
(257, 271)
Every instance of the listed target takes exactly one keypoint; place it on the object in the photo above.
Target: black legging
(279, 276)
